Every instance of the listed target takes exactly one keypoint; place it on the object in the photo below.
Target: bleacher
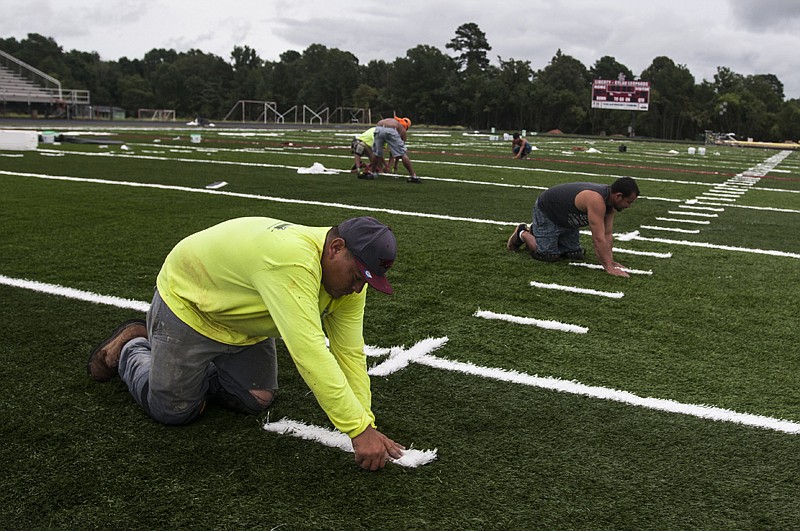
(18, 89)
(22, 83)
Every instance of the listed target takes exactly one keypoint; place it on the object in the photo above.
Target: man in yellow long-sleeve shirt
(224, 294)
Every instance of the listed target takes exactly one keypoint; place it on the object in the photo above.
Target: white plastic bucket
(691, 151)
(48, 137)
(701, 151)
(196, 139)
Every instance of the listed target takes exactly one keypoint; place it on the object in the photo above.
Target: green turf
(710, 326)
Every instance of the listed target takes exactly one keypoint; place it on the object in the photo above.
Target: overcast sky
(748, 36)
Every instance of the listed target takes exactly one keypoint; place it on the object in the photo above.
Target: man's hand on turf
(373, 448)
(616, 269)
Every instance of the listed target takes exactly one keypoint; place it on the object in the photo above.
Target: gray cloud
(748, 37)
(766, 15)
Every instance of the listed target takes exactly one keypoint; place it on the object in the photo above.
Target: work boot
(366, 175)
(514, 241)
(104, 358)
(580, 254)
(538, 255)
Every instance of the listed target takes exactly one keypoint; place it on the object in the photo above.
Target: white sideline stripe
(598, 266)
(87, 296)
(412, 458)
(498, 374)
(668, 229)
(547, 324)
(259, 197)
(576, 388)
(609, 294)
(399, 357)
(675, 220)
(721, 247)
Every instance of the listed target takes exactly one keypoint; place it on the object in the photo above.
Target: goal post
(156, 115)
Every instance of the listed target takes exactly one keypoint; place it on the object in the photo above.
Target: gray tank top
(558, 203)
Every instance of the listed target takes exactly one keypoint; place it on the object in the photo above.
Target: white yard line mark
(720, 247)
(584, 291)
(694, 221)
(598, 266)
(626, 237)
(412, 458)
(714, 197)
(711, 209)
(696, 214)
(641, 253)
(576, 388)
(399, 357)
(668, 229)
(546, 324)
(86, 296)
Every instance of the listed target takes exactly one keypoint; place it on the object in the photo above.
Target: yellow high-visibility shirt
(247, 279)
(368, 136)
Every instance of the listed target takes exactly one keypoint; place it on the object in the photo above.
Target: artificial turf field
(528, 428)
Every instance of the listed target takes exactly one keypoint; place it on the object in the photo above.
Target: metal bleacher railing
(21, 82)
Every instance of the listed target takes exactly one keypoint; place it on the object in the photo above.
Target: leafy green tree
(135, 93)
(509, 95)
(561, 95)
(249, 82)
(788, 121)
(419, 84)
(608, 67)
(427, 85)
(286, 79)
(671, 92)
(471, 45)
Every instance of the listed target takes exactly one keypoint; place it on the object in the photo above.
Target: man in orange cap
(392, 131)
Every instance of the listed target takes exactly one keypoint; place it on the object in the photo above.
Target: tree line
(429, 86)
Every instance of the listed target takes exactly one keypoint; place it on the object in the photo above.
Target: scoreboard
(620, 94)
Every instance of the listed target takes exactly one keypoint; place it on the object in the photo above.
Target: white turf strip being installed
(335, 439)
(420, 353)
